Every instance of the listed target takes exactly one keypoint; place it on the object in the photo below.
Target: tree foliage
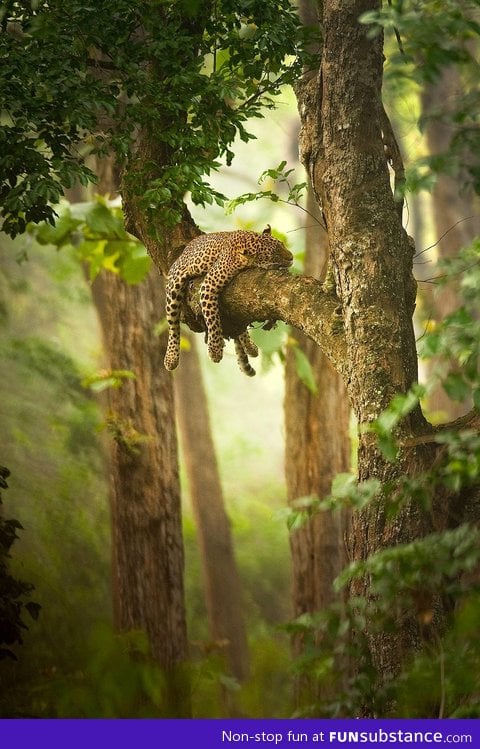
(81, 79)
(97, 233)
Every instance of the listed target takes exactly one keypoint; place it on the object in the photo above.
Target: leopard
(218, 256)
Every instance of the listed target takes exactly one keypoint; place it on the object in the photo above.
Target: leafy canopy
(81, 79)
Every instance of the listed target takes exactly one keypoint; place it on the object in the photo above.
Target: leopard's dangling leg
(245, 347)
(221, 272)
(175, 291)
(211, 315)
(251, 348)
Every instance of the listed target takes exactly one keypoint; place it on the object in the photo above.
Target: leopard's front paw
(172, 354)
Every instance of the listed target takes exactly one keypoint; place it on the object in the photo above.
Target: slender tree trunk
(453, 211)
(317, 448)
(220, 573)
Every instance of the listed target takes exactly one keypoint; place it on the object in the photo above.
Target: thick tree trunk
(221, 579)
(343, 150)
(147, 540)
(146, 518)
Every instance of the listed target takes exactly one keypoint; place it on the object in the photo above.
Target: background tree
(454, 209)
(223, 592)
(147, 547)
(317, 448)
(147, 534)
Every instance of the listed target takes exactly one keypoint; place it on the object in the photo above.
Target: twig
(467, 218)
(399, 38)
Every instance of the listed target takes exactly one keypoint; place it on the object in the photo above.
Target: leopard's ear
(267, 230)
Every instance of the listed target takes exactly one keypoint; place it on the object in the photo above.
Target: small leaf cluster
(81, 79)
(12, 591)
(107, 378)
(117, 678)
(434, 34)
(333, 638)
(384, 427)
(294, 193)
(455, 341)
(407, 574)
(125, 434)
(445, 681)
(346, 492)
(96, 232)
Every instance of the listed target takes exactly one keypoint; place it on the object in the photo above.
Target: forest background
(57, 431)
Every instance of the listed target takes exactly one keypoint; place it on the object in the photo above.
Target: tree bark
(220, 573)
(147, 540)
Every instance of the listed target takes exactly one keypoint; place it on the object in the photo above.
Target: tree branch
(257, 295)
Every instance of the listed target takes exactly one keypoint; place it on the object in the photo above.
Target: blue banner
(228, 734)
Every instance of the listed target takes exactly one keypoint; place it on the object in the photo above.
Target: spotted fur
(219, 256)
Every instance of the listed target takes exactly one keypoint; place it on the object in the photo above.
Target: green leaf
(343, 485)
(304, 370)
(476, 398)
(456, 387)
(136, 263)
(59, 233)
(101, 220)
(107, 378)
(347, 491)
(388, 446)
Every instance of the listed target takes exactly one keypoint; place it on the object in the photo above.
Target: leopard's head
(267, 252)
